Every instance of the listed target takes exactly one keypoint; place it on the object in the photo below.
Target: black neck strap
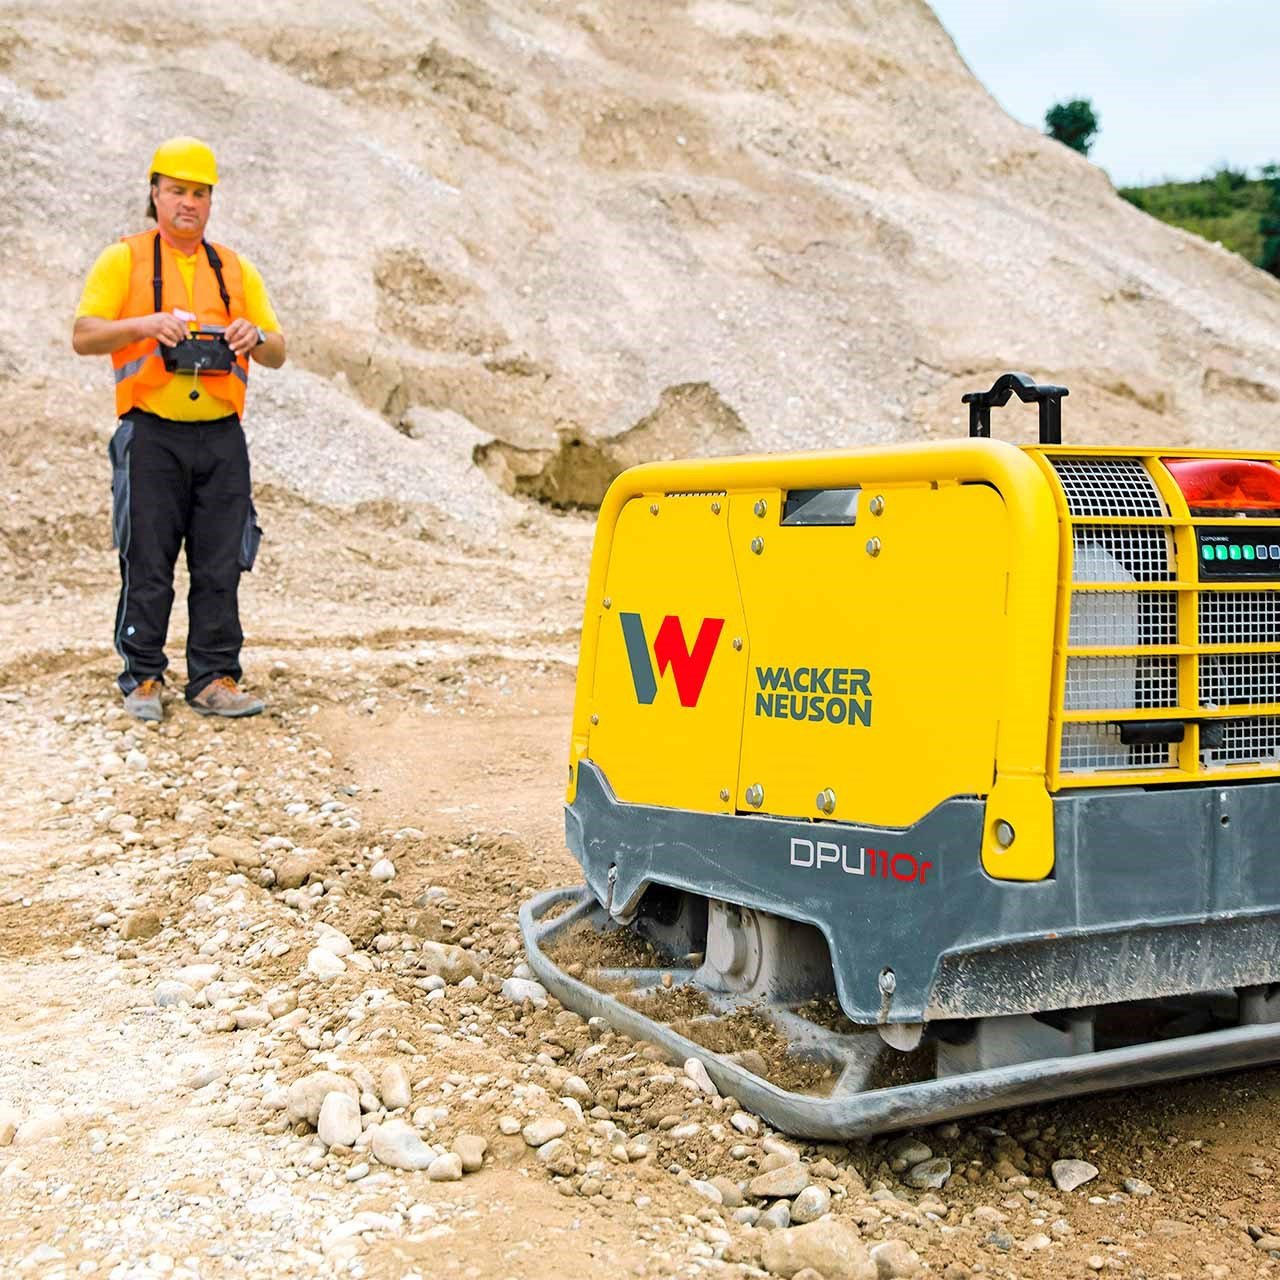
(216, 263)
(157, 275)
(157, 278)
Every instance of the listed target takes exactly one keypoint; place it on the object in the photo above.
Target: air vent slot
(1109, 487)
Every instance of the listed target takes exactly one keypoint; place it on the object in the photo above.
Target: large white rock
(831, 1247)
(518, 990)
(333, 940)
(324, 964)
(790, 1180)
(339, 1122)
(396, 1091)
(307, 1095)
(396, 1144)
(539, 1132)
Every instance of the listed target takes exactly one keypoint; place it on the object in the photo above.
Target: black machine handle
(1049, 398)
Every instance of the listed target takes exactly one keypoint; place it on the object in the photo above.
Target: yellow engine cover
(739, 659)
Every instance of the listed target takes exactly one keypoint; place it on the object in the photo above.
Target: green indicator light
(1248, 552)
(1207, 551)
(1234, 552)
(1221, 552)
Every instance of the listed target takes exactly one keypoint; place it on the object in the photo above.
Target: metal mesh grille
(1087, 748)
(1121, 684)
(1129, 553)
(1254, 741)
(1115, 619)
(1236, 679)
(1240, 617)
(1108, 487)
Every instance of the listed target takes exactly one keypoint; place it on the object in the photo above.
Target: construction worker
(181, 318)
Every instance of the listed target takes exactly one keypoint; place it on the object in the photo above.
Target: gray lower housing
(1154, 893)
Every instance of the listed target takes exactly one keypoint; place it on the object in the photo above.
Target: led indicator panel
(1237, 553)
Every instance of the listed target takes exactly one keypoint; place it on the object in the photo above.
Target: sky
(1180, 87)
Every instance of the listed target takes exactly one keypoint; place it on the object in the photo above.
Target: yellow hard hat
(187, 159)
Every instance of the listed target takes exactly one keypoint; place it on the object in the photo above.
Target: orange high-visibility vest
(139, 365)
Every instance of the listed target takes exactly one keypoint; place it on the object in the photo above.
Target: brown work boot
(223, 697)
(143, 703)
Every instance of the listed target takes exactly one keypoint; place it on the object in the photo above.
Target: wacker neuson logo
(688, 666)
(838, 695)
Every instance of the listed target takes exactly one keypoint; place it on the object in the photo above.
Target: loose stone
(907, 1152)
(789, 1180)
(776, 1217)
(451, 963)
(518, 990)
(445, 1168)
(1070, 1174)
(140, 925)
(384, 869)
(470, 1149)
(895, 1259)
(307, 1095)
(541, 1131)
(558, 1157)
(169, 993)
(929, 1175)
(396, 1144)
(832, 1248)
(730, 1192)
(396, 1092)
(810, 1205)
(324, 964)
(339, 1121)
(697, 1072)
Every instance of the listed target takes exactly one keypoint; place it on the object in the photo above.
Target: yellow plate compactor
(954, 767)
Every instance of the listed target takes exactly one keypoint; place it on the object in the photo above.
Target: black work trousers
(176, 483)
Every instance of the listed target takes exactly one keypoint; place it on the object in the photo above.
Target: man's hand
(241, 336)
(94, 336)
(163, 326)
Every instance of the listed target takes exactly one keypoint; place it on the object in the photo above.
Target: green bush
(1241, 213)
(1073, 123)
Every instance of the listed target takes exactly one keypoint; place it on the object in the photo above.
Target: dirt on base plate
(586, 949)
(675, 1004)
(762, 1049)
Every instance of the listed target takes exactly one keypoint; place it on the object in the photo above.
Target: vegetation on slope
(1228, 206)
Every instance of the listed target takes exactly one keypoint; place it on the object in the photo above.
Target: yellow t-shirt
(104, 296)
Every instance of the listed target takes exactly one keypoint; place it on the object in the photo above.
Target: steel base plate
(848, 1110)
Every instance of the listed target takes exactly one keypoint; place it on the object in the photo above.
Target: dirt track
(439, 740)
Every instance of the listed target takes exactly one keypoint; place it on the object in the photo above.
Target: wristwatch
(262, 337)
